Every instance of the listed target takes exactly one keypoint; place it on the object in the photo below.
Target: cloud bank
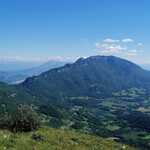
(127, 46)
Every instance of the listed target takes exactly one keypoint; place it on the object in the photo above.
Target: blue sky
(37, 30)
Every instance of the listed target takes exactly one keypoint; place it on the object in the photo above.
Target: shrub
(23, 119)
(38, 137)
(5, 121)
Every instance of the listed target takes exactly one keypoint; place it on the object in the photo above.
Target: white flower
(5, 136)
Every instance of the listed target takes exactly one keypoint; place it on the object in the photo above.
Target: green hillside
(56, 139)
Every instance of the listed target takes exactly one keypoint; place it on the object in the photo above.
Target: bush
(5, 121)
(55, 122)
(38, 137)
(23, 119)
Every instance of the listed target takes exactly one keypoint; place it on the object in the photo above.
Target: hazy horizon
(13, 65)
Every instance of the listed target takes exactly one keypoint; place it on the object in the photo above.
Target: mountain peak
(104, 59)
(99, 57)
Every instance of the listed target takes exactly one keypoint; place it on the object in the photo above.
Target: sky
(41, 30)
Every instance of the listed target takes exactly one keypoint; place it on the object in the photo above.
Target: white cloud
(128, 40)
(132, 52)
(119, 47)
(109, 40)
(140, 44)
(109, 47)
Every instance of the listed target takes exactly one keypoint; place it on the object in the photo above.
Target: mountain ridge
(93, 76)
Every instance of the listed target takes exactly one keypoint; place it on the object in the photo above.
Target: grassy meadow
(56, 139)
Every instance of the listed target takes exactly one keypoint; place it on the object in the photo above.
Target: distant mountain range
(15, 77)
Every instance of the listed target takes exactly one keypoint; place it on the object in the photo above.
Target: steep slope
(10, 96)
(96, 76)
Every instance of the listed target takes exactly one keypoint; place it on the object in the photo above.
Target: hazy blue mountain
(44, 67)
(146, 66)
(17, 76)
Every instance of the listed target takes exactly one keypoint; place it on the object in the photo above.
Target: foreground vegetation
(124, 117)
(23, 119)
(56, 139)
